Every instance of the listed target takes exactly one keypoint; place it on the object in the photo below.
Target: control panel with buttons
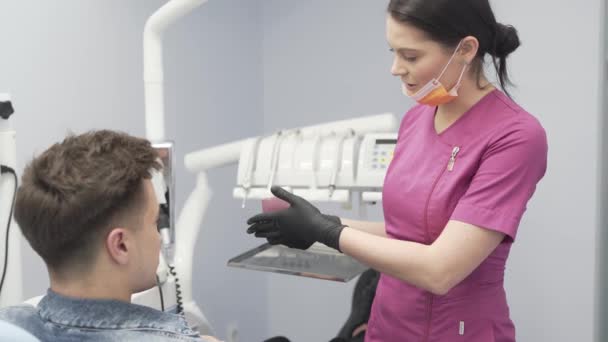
(376, 154)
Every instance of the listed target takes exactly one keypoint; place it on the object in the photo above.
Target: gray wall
(77, 65)
(327, 60)
(551, 278)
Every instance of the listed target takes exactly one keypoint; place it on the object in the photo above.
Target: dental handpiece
(165, 234)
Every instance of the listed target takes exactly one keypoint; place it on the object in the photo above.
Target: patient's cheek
(273, 204)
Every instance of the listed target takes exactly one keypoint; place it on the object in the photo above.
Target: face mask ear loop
(460, 78)
(450, 61)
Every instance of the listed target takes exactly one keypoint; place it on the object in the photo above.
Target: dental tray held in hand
(319, 261)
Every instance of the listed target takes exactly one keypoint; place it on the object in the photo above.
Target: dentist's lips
(408, 89)
(409, 86)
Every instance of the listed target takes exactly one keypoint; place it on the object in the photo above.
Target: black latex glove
(298, 226)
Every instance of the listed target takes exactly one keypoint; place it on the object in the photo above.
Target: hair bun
(506, 40)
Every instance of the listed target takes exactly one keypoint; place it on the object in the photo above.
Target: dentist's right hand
(298, 226)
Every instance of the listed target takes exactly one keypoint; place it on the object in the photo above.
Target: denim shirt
(59, 318)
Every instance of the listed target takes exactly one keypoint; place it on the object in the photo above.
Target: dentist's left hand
(298, 226)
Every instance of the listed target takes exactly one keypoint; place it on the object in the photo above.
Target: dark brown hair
(449, 21)
(71, 193)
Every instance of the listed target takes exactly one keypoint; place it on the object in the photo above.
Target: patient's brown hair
(74, 191)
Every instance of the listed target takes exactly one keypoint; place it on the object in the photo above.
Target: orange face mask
(434, 93)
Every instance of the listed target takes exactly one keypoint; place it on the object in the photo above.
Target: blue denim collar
(108, 314)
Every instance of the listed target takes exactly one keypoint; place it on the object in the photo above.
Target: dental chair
(12, 333)
(363, 297)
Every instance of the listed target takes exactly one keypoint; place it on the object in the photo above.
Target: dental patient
(88, 208)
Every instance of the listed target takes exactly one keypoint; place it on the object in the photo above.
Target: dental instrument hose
(167, 250)
(6, 169)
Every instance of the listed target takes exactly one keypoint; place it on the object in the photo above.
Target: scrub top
(481, 170)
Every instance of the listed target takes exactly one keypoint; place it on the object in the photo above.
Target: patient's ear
(118, 245)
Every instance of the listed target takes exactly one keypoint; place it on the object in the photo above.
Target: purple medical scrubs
(482, 170)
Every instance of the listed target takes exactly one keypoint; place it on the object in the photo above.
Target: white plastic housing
(316, 167)
(12, 289)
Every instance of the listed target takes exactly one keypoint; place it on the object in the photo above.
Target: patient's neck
(97, 283)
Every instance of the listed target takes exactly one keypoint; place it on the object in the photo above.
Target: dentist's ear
(468, 49)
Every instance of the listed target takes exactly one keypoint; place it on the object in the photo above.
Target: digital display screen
(386, 141)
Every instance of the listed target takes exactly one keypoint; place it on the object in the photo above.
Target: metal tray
(318, 261)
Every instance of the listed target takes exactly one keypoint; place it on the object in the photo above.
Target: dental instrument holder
(166, 224)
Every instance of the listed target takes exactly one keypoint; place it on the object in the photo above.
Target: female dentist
(467, 161)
